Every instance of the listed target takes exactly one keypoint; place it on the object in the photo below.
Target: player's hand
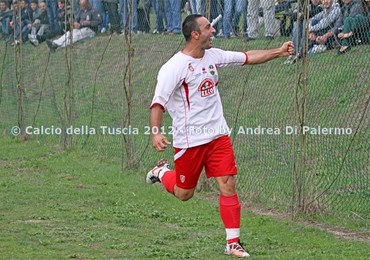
(287, 49)
(160, 142)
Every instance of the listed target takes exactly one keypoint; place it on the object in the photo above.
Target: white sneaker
(153, 175)
(317, 49)
(236, 249)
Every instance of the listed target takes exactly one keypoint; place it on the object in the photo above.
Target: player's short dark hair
(189, 25)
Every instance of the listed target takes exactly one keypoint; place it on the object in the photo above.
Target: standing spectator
(198, 6)
(232, 11)
(98, 5)
(173, 14)
(268, 7)
(5, 16)
(298, 28)
(322, 27)
(128, 14)
(111, 6)
(52, 11)
(160, 16)
(143, 16)
(86, 26)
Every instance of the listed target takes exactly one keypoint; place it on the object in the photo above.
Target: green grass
(252, 95)
(62, 205)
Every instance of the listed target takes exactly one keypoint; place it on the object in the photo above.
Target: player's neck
(193, 51)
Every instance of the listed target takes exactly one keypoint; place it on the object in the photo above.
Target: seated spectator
(356, 26)
(63, 24)
(322, 27)
(299, 28)
(86, 25)
(19, 22)
(40, 23)
(5, 16)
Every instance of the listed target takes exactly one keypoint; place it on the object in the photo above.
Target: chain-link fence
(300, 127)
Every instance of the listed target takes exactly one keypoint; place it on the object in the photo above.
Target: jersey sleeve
(168, 81)
(229, 58)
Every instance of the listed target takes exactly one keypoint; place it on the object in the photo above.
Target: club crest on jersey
(206, 88)
(182, 178)
(190, 68)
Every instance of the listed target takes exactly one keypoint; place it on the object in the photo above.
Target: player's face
(206, 33)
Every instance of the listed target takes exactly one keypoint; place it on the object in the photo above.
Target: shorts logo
(206, 88)
(182, 178)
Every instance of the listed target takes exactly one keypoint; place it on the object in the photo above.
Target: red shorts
(217, 157)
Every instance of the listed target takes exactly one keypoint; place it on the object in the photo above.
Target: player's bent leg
(183, 194)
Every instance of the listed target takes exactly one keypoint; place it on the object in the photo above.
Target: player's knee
(184, 195)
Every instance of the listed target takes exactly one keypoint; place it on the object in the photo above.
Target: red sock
(230, 215)
(169, 180)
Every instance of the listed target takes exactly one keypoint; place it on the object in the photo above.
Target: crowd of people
(332, 23)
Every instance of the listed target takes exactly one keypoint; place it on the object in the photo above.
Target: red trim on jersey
(186, 89)
(246, 58)
(156, 104)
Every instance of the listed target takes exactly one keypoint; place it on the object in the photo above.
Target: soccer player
(187, 87)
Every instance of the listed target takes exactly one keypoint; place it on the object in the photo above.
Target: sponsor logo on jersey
(206, 88)
(212, 69)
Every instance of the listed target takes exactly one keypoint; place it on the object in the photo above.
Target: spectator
(268, 7)
(298, 28)
(5, 16)
(52, 11)
(198, 6)
(63, 19)
(18, 24)
(111, 6)
(322, 27)
(128, 14)
(98, 5)
(173, 14)
(350, 16)
(160, 16)
(40, 23)
(232, 11)
(143, 17)
(86, 26)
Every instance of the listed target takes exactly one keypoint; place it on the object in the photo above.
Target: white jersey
(188, 89)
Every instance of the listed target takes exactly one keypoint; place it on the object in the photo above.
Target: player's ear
(195, 35)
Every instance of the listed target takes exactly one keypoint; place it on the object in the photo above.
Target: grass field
(89, 201)
(63, 205)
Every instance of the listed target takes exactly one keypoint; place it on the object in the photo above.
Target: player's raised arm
(261, 56)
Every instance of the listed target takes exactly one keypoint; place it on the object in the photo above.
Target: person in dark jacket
(111, 6)
(86, 25)
(39, 24)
